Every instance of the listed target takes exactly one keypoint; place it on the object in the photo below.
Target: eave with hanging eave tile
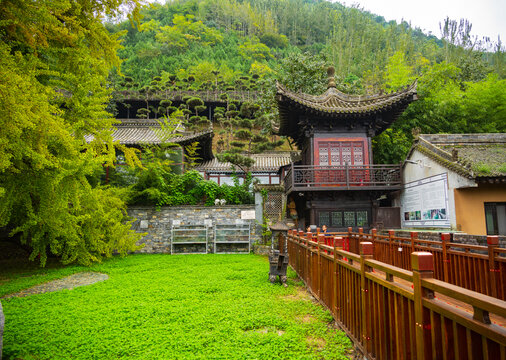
(341, 108)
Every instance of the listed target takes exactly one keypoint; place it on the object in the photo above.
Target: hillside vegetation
(229, 45)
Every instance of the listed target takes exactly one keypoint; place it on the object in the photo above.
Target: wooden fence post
(414, 237)
(321, 239)
(338, 245)
(391, 234)
(350, 230)
(302, 258)
(366, 249)
(493, 243)
(359, 240)
(423, 268)
(309, 255)
(445, 239)
(374, 234)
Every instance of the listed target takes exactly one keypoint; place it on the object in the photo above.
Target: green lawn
(168, 307)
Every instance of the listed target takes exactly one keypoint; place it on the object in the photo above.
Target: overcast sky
(488, 17)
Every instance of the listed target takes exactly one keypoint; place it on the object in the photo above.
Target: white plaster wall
(414, 172)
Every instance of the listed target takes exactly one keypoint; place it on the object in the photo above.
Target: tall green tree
(54, 61)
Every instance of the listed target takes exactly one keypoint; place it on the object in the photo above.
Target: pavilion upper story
(333, 131)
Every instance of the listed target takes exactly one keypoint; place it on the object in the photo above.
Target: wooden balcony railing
(346, 177)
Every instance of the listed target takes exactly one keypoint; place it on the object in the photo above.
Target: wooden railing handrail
(392, 270)
(484, 302)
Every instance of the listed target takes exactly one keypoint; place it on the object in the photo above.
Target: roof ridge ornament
(330, 77)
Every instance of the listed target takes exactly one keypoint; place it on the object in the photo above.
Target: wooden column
(366, 249)
(423, 268)
(445, 239)
(493, 243)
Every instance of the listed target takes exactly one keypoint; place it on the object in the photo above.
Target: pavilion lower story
(342, 209)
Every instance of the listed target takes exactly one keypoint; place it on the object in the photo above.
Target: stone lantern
(278, 254)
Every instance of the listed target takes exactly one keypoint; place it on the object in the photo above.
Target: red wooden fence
(393, 313)
(478, 268)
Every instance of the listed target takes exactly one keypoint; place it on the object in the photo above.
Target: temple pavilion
(335, 183)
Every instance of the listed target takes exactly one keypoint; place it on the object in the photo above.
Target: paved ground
(69, 282)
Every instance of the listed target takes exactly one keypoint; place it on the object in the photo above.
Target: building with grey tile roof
(265, 162)
(141, 132)
(456, 181)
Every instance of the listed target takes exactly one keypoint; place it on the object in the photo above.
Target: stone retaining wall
(158, 226)
(457, 237)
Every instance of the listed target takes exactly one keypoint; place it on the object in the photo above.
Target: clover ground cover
(171, 307)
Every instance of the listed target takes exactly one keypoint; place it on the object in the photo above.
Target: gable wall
(414, 172)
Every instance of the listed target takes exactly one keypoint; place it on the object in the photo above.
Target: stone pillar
(259, 207)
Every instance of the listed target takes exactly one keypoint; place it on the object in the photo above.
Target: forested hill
(197, 37)
(234, 45)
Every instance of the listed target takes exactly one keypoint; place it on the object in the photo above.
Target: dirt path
(69, 282)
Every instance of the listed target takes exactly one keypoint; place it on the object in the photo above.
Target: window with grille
(343, 219)
(273, 205)
(340, 153)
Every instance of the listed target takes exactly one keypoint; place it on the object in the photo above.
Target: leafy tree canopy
(54, 61)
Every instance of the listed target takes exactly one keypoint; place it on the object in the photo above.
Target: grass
(169, 307)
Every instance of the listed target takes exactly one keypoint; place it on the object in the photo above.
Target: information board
(424, 203)
(248, 214)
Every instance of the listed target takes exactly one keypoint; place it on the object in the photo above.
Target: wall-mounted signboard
(424, 203)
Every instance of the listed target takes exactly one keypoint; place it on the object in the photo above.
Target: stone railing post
(423, 268)
(366, 249)
(493, 243)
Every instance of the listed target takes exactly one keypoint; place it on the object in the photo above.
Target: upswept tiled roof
(376, 111)
(476, 156)
(265, 162)
(143, 131)
(334, 101)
